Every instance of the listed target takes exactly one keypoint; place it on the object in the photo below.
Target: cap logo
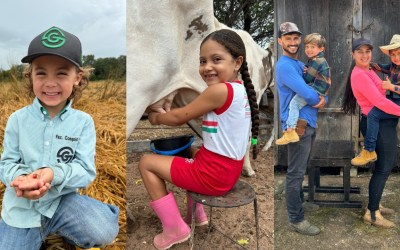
(53, 38)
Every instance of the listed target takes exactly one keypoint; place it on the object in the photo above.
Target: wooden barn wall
(339, 21)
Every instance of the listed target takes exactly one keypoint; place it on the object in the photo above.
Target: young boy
(49, 152)
(317, 74)
(391, 84)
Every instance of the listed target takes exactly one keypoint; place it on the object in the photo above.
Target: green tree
(255, 17)
(88, 60)
(109, 68)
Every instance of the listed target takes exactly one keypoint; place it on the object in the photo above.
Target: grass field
(105, 102)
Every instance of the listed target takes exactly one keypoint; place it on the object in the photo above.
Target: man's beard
(291, 53)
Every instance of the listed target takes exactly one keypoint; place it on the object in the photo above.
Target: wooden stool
(241, 194)
(314, 185)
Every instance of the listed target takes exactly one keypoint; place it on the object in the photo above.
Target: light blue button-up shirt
(33, 140)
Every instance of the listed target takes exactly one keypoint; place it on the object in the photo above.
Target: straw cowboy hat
(394, 44)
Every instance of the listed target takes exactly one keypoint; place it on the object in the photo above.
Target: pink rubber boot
(200, 216)
(175, 230)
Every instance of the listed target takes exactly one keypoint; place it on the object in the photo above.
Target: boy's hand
(387, 85)
(38, 193)
(45, 174)
(321, 104)
(375, 66)
(34, 185)
(26, 183)
(305, 69)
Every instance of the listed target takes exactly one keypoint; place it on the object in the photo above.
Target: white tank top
(226, 129)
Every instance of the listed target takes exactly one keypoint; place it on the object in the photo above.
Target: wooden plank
(144, 145)
(332, 149)
(373, 25)
(279, 16)
(333, 124)
(391, 26)
(357, 18)
(137, 146)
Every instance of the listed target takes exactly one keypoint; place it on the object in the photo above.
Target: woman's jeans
(386, 149)
(374, 116)
(81, 220)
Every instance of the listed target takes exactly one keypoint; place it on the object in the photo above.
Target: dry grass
(105, 102)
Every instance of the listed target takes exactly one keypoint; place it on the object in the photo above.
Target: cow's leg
(270, 140)
(247, 170)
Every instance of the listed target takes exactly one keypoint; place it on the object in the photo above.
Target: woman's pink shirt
(367, 89)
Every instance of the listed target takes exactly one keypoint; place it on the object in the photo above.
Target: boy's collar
(45, 113)
(319, 55)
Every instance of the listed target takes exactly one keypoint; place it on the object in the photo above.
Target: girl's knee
(144, 162)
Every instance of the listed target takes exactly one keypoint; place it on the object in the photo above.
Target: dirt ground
(341, 228)
(238, 223)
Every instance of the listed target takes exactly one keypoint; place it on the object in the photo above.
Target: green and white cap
(55, 41)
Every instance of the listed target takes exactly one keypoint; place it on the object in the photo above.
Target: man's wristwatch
(396, 88)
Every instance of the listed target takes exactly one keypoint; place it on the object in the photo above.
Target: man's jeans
(81, 220)
(298, 156)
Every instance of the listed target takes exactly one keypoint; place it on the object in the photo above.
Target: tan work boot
(288, 137)
(385, 210)
(364, 157)
(379, 220)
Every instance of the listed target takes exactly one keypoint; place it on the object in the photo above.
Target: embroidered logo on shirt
(65, 155)
(67, 138)
(189, 160)
(210, 126)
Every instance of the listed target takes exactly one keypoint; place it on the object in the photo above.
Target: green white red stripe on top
(210, 126)
(226, 129)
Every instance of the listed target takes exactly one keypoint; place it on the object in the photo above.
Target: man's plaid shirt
(318, 75)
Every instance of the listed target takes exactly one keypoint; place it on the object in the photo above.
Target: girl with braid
(228, 107)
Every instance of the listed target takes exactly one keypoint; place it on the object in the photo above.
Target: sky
(99, 24)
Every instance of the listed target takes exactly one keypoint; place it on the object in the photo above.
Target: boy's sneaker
(288, 137)
(305, 227)
(364, 158)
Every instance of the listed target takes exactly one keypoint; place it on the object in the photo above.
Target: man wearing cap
(289, 82)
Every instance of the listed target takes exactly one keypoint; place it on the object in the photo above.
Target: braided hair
(233, 43)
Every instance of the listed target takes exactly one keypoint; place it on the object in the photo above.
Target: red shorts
(208, 173)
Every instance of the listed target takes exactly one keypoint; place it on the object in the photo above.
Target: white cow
(163, 42)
